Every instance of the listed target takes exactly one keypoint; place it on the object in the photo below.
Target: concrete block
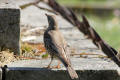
(36, 74)
(9, 27)
(47, 74)
(87, 69)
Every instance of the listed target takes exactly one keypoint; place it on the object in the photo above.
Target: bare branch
(86, 29)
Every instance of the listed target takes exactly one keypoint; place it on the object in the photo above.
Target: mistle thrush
(55, 45)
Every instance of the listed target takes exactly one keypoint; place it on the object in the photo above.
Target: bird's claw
(56, 67)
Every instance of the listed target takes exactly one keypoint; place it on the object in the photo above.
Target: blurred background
(103, 15)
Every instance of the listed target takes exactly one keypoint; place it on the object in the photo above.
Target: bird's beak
(47, 14)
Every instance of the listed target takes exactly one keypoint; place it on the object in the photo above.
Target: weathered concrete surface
(87, 69)
(35, 18)
(9, 27)
(18, 2)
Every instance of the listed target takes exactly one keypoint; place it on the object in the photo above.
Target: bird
(56, 45)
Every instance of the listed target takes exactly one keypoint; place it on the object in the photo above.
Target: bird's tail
(66, 62)
(72, 73)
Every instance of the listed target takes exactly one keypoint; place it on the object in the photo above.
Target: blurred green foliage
(78, 1)
(90, 3)
(107, 27)
(92, 0)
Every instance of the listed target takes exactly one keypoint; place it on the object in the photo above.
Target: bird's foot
(53, 67)
(56, 67)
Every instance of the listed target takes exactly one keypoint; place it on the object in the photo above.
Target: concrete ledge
(87, 69)
(36, 74)
(47, 74)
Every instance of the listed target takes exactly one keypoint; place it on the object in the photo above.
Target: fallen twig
(85, 54)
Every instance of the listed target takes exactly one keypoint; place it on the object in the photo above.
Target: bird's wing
(60, 46)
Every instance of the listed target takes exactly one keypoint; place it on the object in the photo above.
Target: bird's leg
(50, 62)
(58, 65)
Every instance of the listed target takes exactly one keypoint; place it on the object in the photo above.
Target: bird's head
(51, 21)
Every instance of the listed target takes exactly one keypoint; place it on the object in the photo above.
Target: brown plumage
(56, 45)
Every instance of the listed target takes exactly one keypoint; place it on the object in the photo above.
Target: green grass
(108, 28)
